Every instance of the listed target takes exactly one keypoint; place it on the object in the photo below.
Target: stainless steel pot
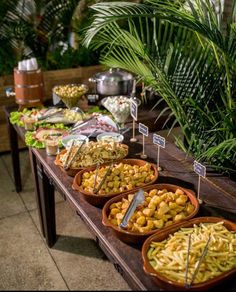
(113, 82)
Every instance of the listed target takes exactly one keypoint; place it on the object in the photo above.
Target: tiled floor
(74, 263)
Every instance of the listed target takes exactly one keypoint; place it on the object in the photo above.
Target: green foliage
(186, 53)
(70, 58)
(38, 28)
(7, 63)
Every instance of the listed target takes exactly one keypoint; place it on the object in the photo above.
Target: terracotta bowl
(138, 238)
(70, 171)
(169, 284)
(100, 200)
(74, 171)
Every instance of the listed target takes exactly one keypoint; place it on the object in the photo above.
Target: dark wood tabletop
(217, 192)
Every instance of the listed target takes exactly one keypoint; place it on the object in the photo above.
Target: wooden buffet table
(217, 192)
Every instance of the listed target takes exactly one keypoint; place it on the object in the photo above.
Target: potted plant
(186, 53)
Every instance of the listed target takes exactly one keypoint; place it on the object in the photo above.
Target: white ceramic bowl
(68, 139)
(110, 136)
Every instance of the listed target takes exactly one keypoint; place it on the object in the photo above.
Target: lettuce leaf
(15, 117)
(31, 141)
(30, 135)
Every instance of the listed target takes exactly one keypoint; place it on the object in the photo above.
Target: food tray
(169, 284)
(138, 238)
(100, 200)
(74, 171)
(103, 124)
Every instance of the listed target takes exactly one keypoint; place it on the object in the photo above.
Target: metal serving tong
(45, 116)
(79, 124)
(96, 190)
(69, 161)
(138, 198)
(68, 153)
(188, 285)
(187, 260)
(96, 175)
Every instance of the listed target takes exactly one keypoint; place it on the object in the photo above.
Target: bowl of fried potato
(171, 256)
(164, 205)
(100, 183)
(90, 154)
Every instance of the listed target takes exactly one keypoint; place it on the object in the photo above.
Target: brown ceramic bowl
(100, 200)
(74, 171)
(70, 171)
(138, 238)
(169, 284)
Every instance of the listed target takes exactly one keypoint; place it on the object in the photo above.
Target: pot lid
(114, 74)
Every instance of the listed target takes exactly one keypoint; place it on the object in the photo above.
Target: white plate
(110, 136)
(66, 140)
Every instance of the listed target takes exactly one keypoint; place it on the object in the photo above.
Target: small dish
(52, 146)
(100, 200)
(136, 237)
(66, 140)
(167, 283)
(29, 123)
(110, 136)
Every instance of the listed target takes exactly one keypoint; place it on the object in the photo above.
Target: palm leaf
(184, 54)
(30, 27)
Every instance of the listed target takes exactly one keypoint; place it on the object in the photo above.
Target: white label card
(134, 110)
(159, 140)
(143, 129)
(199, 169)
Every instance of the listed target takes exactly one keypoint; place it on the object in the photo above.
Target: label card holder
(144, 131)
(201, 171)
(160, 142)
(134, 115)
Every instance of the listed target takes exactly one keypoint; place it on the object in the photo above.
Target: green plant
(41, 29)
(61, 58)
(30, 27)
(6, 60)
(186, 53)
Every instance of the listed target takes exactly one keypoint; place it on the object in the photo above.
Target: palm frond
(110, 12)
(186, 55)
(38, 24)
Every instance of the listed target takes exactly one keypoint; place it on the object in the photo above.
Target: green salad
(31, 139)
(30, 136)
(16, 117)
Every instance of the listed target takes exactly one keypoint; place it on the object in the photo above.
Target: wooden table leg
(13, 140)
(37, 193)
(47, 202)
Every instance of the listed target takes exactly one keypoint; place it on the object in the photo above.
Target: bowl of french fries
(196, 254)
(164, 205)
(104, 181)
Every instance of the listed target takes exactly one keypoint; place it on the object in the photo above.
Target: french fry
(170, 261)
